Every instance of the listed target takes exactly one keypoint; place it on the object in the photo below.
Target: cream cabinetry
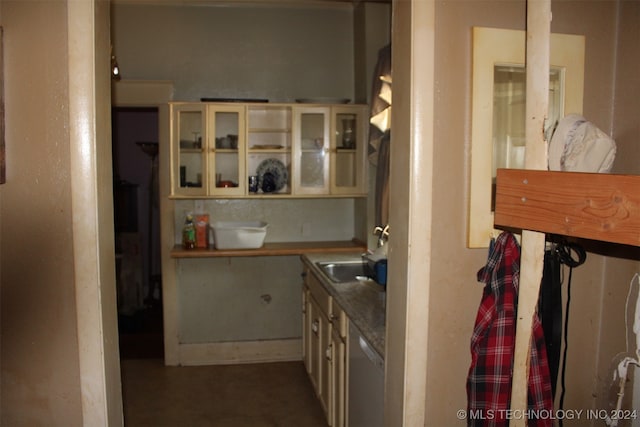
(311, 158)
(286, 150)
(349, 128)
(208, 149)
(338, 362)
(269, 146)
(324, 348)
(329, 150)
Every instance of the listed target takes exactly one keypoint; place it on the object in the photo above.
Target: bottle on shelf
(189, 233)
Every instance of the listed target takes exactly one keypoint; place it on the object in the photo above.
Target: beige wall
(455, 294)
(40, 365)
(59, 357)
(617, 271)
(280, 53)
(626, 126)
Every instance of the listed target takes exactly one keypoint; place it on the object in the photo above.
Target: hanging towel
(380, 110)
(493, 341)
(380, 133)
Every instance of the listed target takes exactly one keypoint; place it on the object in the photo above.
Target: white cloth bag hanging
(578, 145)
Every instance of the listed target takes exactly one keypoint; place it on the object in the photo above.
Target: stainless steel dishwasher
(366, 383)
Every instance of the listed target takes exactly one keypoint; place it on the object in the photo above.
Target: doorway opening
(137, 231)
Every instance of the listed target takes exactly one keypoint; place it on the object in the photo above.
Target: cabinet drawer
(321, 296)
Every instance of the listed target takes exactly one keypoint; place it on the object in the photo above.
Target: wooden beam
(532, 254)
(588, 205)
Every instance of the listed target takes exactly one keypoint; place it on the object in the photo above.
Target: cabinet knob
(315, 326)
(328, 353)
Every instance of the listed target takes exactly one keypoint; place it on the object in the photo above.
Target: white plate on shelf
(277, 169)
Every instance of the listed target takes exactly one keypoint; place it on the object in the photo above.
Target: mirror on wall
(509, 96)
(498, 111)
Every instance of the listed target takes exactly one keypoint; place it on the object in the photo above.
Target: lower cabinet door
(324, 354)
(338, 386)
(315, 348)
(325, 364)
(306, 329)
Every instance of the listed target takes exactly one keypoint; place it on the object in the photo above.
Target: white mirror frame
(492, 46)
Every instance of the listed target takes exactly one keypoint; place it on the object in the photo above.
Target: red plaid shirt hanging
(492, 347)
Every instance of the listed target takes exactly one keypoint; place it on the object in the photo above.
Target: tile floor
(252, 395)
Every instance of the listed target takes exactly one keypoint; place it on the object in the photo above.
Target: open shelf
(274, 249)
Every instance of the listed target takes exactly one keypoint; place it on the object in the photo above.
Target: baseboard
(226, 353)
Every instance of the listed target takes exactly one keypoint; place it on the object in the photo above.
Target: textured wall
(277, 53)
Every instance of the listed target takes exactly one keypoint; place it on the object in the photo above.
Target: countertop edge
(274, 249)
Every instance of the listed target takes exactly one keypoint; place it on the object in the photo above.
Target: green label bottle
(189, 234)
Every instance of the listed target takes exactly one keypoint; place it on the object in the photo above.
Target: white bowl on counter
(239, 235)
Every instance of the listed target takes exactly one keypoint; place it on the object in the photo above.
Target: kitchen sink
(344, 271)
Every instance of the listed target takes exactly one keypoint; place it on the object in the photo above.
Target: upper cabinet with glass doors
(207, 150)
(267, 150)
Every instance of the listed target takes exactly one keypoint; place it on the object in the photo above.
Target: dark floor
(141, 334)
(252, 395)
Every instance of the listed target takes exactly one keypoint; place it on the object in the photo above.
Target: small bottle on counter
(189, 233)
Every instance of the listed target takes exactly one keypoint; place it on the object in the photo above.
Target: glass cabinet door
(226, 150)
(189, 161)
(347, 149)
(312, 143)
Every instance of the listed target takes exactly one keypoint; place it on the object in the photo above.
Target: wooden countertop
(274, 249)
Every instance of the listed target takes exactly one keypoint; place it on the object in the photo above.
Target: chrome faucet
(382, 233)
